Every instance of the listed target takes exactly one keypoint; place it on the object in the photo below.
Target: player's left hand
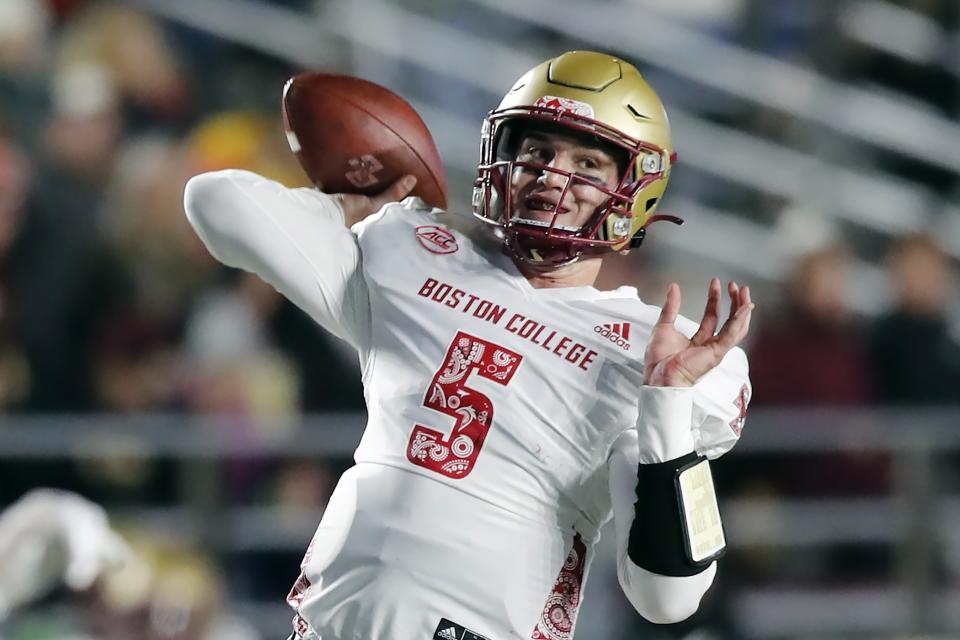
(673, 360)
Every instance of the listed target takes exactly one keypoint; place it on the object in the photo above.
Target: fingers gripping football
(357, 207)
(673, 360)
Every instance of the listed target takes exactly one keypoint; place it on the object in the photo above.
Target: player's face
(537, 193)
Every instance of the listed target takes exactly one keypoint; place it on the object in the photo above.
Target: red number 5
(455, 456)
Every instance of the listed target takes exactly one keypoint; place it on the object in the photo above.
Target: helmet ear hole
(650, 204)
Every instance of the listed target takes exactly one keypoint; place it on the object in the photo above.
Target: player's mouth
(542, 208)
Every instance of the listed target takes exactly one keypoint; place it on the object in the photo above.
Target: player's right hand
(357, 207)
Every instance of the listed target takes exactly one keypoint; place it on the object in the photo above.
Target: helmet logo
(565, 105)
(363, 171)
(436, 239)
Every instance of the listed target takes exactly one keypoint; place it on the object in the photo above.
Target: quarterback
(513, 407)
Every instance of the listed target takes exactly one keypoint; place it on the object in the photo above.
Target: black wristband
(658, 535)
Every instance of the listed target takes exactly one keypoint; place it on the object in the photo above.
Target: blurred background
(819, 145)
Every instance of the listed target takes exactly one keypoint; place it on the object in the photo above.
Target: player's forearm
(663, 599)
(653, 561)
(658, 598)
(663, 428)
(294, 239)
(243, 218)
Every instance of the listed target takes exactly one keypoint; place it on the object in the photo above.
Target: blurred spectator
(132, 48)
(328, 368)
(143, 277)
(148, 238)
(811, 354)
(14, 182)
(168, 592)
(238, 378)
(48, 265)
(24, 56)
(136, 366)
(915, 353)
(236, 372)
(245, 140)
(24, 28)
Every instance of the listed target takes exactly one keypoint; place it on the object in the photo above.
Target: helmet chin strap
(536, 256)
(677, 220)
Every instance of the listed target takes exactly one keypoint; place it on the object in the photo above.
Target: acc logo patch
(436, 239)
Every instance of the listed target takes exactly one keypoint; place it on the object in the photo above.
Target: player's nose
(552, 179)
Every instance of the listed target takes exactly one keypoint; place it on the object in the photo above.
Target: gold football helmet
(598, 98)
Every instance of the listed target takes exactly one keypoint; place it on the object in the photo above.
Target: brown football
(354, 136)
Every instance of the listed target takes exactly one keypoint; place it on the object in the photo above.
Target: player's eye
(536, 153)
(593, 168)
(590, 164)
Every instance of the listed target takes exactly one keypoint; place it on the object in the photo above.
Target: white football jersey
(483, 475)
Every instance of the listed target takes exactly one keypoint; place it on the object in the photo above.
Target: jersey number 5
(455, 456)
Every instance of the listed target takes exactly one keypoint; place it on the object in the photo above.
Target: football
(354, 136)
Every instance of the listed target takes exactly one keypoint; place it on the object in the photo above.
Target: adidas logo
(450, 630)
(621, 329)
(450, 633)
(617, 333)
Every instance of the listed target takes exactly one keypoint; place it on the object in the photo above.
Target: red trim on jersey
(560, 612)
(741, 402)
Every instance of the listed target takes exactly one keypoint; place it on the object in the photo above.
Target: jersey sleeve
(294, 239)
(720, 400)
(658, 598)
(720, 405)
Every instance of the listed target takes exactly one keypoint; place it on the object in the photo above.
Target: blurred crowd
(110, 304)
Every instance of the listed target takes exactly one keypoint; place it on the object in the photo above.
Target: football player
(513, 407)
(50, 536)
